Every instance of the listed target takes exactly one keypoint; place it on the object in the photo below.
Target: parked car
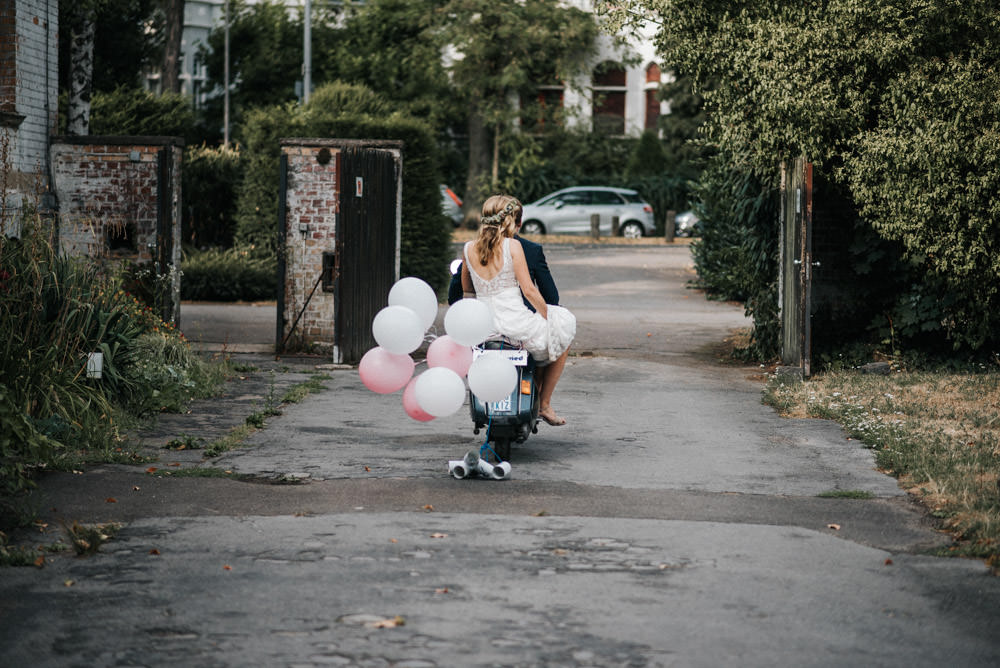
(687, 224)
(451, 205)
(568, 211)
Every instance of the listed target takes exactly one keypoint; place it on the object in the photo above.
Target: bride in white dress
(496, 270)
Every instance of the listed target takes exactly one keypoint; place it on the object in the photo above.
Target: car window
(576, 197)
(604, 197)
(633, 198)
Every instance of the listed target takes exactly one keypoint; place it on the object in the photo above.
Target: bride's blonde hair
(501, 216)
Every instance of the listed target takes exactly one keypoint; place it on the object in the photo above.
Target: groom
(537, 268)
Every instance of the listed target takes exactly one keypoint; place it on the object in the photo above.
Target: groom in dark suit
(537, 268)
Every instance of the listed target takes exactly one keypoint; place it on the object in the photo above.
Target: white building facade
(29, 55)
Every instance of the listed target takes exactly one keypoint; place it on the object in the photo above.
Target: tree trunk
(81, 77)
(170, 76)
(495, 172)
(477, 182)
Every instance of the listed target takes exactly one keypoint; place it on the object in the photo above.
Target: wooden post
(595, 225)
(614, 226)
(668, 226)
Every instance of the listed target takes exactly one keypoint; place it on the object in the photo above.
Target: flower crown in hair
(499, 217)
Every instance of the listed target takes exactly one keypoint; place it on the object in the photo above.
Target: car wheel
(631, 230)
(532, 227)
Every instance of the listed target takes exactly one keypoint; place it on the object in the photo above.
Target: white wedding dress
(545, 339)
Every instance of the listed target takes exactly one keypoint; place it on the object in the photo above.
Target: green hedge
(228, 274)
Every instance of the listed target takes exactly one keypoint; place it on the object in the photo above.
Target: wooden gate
(366, 263)
(796, 263)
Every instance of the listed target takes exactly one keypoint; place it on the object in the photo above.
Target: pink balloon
(385, 372)
(411, 406)
(449, 353)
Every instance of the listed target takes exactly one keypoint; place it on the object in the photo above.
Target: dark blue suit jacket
(537, 267)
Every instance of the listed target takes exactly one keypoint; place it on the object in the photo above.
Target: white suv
(568, 211)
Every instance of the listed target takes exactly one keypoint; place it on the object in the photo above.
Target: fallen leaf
(439, 535)
(442, 590)
(227, 567)
(367, 470)
(111, 499)
(428, 507)
(393, 540)
(40, 561)
(154, 551)
(174, 464)
(541, 513)
(560, 552)
(151, 469)
(135, 488)
(228, 472)
(835, 527)
(388, 623)
(888, 562)
(75, 472)
(69, 583)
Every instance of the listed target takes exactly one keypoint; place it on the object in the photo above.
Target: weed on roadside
(846, 494)
(258, 419)
(185, 442)
(938, 432)
(87, 539)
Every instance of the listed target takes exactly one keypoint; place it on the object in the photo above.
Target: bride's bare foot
(551, 418)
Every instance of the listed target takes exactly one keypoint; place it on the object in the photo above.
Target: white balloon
(439, 391)
(468, 321)
(417, 295)
(398, 329)
(492, 377)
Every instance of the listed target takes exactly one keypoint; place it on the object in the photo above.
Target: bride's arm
(523, 277)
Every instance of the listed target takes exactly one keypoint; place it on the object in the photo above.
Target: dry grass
(938, 432)
(462, 235)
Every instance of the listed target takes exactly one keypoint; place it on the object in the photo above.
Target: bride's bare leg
(547, 380)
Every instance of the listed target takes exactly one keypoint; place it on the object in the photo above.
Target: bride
(496, 272)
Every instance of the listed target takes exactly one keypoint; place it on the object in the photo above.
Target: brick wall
(312, 204)
(29, 54)
(108, 189)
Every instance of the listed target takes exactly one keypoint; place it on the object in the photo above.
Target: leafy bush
(211, 179)
(54, 311)
(737, 255)
(135, 111)
(354, 112)
(232, 274)
(896, 106)
(928, 176)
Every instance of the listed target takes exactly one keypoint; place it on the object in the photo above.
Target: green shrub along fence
(54, 312)
(211, 180)
(228, 274)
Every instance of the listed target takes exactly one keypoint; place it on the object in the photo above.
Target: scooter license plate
(502, 406)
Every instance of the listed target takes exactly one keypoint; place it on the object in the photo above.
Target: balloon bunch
(400, 328)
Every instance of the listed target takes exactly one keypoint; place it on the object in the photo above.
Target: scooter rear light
(525, 387)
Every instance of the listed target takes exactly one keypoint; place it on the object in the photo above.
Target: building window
(8, 61)
(651, 91)
(609, 99)
(543, 109)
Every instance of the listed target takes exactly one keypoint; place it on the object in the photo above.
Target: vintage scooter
(507, 421)
(513, 418)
